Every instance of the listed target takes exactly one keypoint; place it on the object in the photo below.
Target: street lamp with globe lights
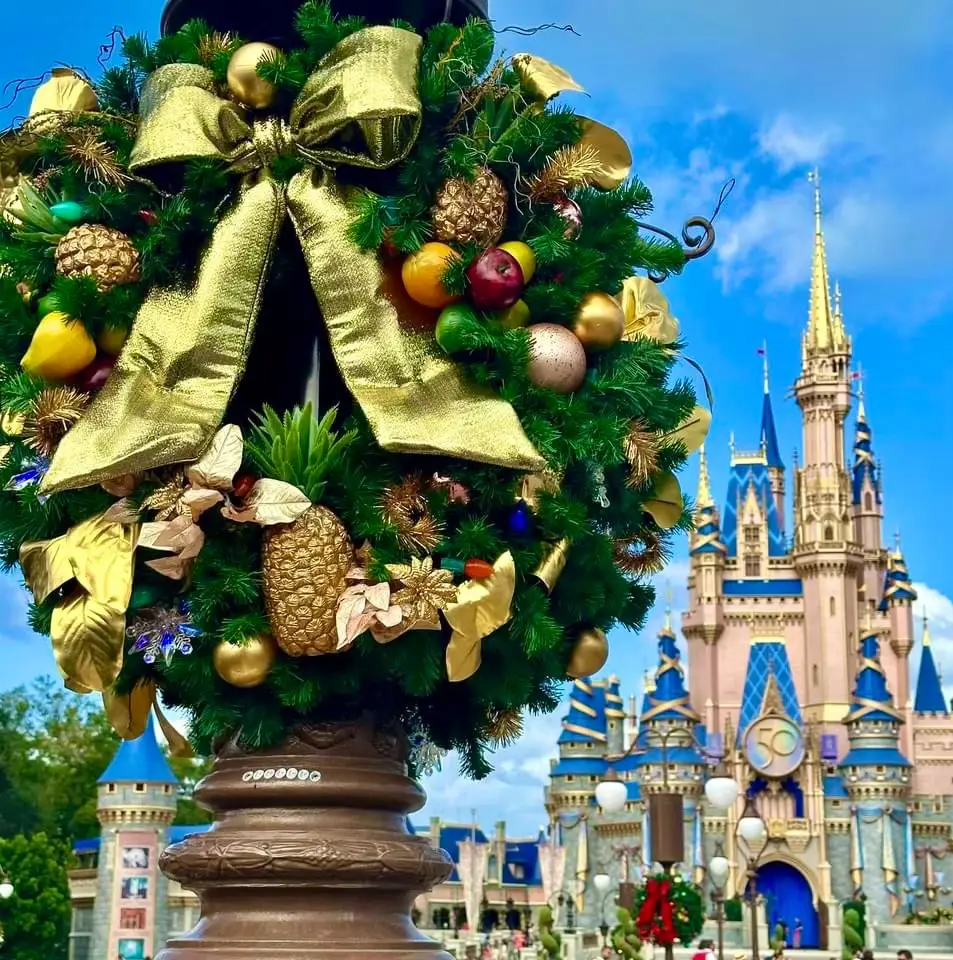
(6, 887)
(718, 869)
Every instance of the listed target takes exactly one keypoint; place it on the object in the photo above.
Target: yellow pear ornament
(60, 348)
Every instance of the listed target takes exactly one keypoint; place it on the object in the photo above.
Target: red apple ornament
(93, 378)
(496, 280)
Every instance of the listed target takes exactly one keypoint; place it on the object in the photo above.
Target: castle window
(815, 675)
(517, 872)
(110, 788)
(868, 501)
(752, 566)
(828, 533)
(139, 788)
(752, 537)
(569, 779)
(167, 789)
(833, 606)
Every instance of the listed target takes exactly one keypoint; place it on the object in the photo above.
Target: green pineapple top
(297, 448)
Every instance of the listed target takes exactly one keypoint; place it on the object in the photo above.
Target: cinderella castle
(798, 645)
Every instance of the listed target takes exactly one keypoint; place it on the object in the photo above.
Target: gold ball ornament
(242, 77)
(557, 360)
(600, 322)
(589, 655)
(247, 664)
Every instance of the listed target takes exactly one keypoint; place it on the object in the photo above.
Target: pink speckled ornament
(557, 359)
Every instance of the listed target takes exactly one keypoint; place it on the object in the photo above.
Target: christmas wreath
(669, 910)
(329, 382)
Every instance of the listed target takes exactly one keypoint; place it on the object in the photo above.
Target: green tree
(190, 771)
(54, 745)
(36, 919)
(551, 941)
(625, 937)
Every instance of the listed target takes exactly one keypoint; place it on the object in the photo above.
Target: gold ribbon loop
(188, 347)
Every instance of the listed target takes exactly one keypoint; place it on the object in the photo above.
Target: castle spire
(769, 434)
(929, 696)
(139, 761)
(873, 726)
(864, 471)
(820, 321)
(703, 498)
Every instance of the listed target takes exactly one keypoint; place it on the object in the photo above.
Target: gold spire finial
(861, 409)
(648, 682)
(668, 608)
(703, 498)
(926, 630)
(764, 354)
(897, 552)
(820, 323)
(840, 334)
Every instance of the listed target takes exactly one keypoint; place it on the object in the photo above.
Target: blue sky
(704, 92)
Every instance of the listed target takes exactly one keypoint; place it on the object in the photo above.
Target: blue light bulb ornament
(521, 520)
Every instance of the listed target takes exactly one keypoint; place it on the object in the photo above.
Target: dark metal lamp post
(718, 870)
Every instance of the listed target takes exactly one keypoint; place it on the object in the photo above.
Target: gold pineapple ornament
(304, 566)
(105, 254)
(304, 563)
(471, 211)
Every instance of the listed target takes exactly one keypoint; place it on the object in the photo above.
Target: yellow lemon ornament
(60, 348)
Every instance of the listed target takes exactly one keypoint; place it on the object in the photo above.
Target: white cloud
(710, 115)
(790, 143)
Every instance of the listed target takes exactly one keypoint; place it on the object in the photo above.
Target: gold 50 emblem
(774, 746)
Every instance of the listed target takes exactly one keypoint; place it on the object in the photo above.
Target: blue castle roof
(586, 720)
(751, 473)
(871, 699)
(929, 696)
(768, 665)
(874, 756)
(669, 700)
(139, 761)
(865, 467)
(897, 584)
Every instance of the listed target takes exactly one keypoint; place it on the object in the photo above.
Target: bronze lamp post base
(310, 857)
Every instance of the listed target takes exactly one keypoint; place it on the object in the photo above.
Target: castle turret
(703, 621)
(670, 761)
(874, 767)
(582, 748)
(137, 796)
(615, 718)
(929, 697)
(867, 503)
(897, 599)
(826, 556)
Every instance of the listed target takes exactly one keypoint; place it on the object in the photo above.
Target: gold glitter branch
(641, 450)
(567, 168)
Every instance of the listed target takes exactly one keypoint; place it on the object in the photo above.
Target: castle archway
(789, 900)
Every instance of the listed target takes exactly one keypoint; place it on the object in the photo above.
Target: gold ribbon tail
(169, 389)
(128, 714)
(415, 399)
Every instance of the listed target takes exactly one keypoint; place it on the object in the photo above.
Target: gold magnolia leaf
(665, 506)
(483, 606)
(270, 502)
(88, 639)
(615, 157)
(543, 79)
(692, 431)
(122, 511)
(46, 566)
(181, 537)
(216, 468)
(198, 500)
(647, 312)
(128, 713)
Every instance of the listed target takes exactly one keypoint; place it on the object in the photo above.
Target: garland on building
(454, 537)
(669, 910)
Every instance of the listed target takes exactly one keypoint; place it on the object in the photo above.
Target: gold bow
(66, 92)
(128, 714)
(482, 606)
(189, 345)
(89, 624)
